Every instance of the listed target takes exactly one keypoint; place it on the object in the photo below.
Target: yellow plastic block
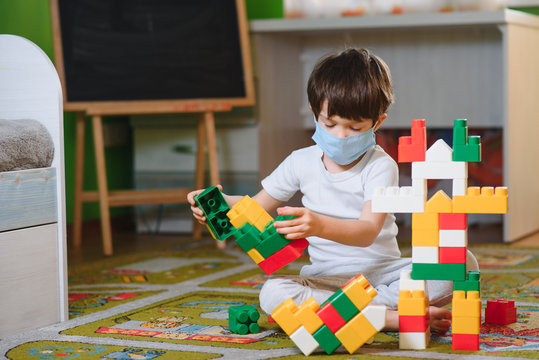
(284, 316)
(466, 304)
(255, 255)
(465, 325)
(355, 333)
(412, 303)
(424, 221)
(359, 291)
(439, 203)
(485, 200)
(307, 315)
(247, 210)
(425, 237)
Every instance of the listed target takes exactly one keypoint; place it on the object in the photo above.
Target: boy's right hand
(197, 212)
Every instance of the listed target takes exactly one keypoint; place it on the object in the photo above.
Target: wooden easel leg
(102, 184)
(209, 121)
(200, 168)
(79, 176)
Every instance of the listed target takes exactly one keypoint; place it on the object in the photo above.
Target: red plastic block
(412, 148)
(452, 221)
(500, 312)
(331, 317)
(452, 255)
(270, 319)
(465, 342)
(284, 256)
(411, 323)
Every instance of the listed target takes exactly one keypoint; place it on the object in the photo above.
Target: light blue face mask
(343, 150)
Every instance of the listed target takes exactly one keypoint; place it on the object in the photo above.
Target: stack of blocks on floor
(345, 318)
(439, 230)
(252, 228)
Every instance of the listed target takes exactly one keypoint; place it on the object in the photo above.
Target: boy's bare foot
(440, 320)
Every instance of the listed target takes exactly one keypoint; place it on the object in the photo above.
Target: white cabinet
(483, 66)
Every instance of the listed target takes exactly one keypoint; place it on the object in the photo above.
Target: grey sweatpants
(279, 288)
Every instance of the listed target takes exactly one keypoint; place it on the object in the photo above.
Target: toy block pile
(345, 318)
(413, 310)
(251, 227)
(439, 224)
(243, 319)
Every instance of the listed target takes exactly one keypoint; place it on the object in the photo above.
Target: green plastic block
(243, 319)
(460, 132)
(247, 237)
(453, 272)
(327, 340)
(472, 283)
(470, 152)
(342, 303)
(272, 241)
(215, 207)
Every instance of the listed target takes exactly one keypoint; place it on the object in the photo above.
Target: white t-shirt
(342, 196)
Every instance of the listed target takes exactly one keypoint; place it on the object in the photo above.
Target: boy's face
(342, 127)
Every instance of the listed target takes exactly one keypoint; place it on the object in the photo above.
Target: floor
(126, 240)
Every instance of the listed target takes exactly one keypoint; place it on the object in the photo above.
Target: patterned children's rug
(172, 304)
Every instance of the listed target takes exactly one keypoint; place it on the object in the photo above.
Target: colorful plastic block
(412, 148)
(500, 312)
(307, 316)
(214, 206)
(465, 325)
(468, 342)
(459, 187)
(409, 323)
(247, 210)
(304, 341)
(439, 203)
(452, 255)
(243, 319)
(452, 221)
(439, 271)
(472, 282)
(396, 199)
(359, 291)
(425, 254)
(331, 318)
(439, 170)
(466, 304)
(465, 148)
(356, 332)
(460, 132)
(326, 339)
(412, 303)
(425, 237)
(414, 340)
(485, 200)
(439, 152)
(453, 238)
(284, 256)
(425, 221)
(407, 283)
(284, 316)
(342, 303)
(271, 242)
(247, 237)
(256, 256)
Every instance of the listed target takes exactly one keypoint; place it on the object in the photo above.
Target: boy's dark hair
(355, 82)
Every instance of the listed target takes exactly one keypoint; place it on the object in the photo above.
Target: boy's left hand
(306, 223)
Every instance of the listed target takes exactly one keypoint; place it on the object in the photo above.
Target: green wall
(31, 19)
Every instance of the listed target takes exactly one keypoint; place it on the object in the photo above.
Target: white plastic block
(397, 200)
(407, 283)
(304, 341)
(459, 187)
(414, 340)
(419, 187)
(453, 238)
(376, 314)
(439, 152)
(440, 170)
(425, 254)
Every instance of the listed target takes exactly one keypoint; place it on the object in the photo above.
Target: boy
(349, 94)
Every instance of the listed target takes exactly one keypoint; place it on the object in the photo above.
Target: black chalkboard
(118, 50)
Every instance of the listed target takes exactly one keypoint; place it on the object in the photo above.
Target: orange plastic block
(359, 291)
(412, 148)
(307, 315)
(255, 255)
(466, 303)
(424, 221)
(412, 303)
(485, 200)
(439, 203)
(247, 210)
(465, 325)
(425, 237)
(284, 316)
(355, 333)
